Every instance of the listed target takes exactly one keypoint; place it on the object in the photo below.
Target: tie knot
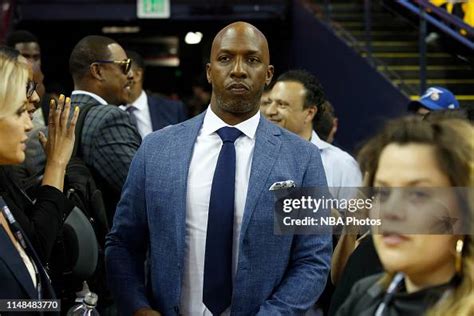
(228, 134)
(130, 109)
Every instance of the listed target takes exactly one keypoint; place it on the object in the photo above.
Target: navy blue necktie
(217, 289)
(131, 111)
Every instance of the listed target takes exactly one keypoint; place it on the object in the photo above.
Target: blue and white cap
(435, 98)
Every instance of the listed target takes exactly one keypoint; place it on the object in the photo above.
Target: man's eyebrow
(224, 51)
(253, 52)
(228, 51)
(280, 101)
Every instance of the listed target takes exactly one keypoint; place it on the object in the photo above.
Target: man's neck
(90, 93)
(135, 96)
(89, 88)
(233, 118)
(306, 132)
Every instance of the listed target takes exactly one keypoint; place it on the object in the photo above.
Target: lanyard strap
(15, 227)
(391, 290)
(13, 223)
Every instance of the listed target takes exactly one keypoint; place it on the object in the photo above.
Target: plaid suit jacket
(109, 141)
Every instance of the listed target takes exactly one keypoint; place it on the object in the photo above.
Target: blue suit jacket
(164, 112)
(275, 274)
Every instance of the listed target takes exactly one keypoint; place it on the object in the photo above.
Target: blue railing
(443, 16)
(427, 13)
(324, 11)
(445, 22)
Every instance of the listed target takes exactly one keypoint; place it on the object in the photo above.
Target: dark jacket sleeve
(182, 112)
(42, 219)
(362, 263)
(115, 143)
(359, 302)
(46, 218)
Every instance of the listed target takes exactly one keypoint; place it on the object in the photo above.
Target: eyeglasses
(30, 88)
(125, 64)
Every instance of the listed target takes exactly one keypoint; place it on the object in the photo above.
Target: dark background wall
(363, 99)
(59, 24)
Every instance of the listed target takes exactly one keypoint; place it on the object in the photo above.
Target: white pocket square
(282, 185)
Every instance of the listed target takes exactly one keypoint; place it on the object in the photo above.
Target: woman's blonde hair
(453, 140)
(13, 81)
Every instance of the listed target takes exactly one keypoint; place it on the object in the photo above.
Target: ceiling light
(120, 29)
(193, 38)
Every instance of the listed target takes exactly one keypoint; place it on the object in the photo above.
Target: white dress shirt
(341, 168)
(201, 171)
(93, 95)
(142, 113)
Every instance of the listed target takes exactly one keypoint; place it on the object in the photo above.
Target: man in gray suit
(101, 73)
(197, 204)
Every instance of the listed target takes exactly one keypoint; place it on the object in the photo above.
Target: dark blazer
(41, 221)
(108, 143)
(164, 112)
(14, 277)
(367, 294)
(363, 262)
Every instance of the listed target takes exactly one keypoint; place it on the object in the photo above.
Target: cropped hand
(60, 141)
(61, 137)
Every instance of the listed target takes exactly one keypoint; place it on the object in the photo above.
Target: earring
(458, 258)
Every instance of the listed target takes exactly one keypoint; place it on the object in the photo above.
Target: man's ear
(96, 71)
(335, 124)
(269, 76)
(138, 75)
(312, 110)
(208, 73)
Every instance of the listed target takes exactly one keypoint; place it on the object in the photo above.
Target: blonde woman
(424, 274)
(21, 271)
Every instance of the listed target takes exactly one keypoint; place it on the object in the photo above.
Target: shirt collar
(212, 123)
(93, 95)
(318, 141)
(141, 103)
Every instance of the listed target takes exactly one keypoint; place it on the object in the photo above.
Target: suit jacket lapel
(267, 147)
(16, 265)
(154, 113)
(180, 160)
(161, 113)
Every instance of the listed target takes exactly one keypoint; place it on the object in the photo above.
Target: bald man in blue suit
(167, 210)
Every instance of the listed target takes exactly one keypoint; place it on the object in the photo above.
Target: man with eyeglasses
(149, 111)
(101, 73)
(28, 45)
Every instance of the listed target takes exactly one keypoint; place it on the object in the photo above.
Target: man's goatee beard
(238, 106)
